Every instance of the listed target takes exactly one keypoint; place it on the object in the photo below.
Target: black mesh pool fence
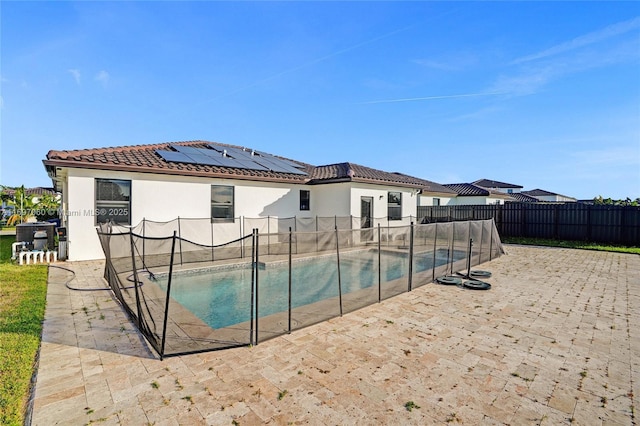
(188, 297)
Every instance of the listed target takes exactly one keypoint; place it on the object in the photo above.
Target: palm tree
(23, 205)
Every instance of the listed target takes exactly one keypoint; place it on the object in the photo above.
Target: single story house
(521, 197)
(200, 179)
(542, 195)
(495, 185)
(468, 193)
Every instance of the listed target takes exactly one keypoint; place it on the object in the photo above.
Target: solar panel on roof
(281, 168)
(241, 158)
(177, 157)
(251, 164)
(276, 165)
(289, 162)
(204, 159)
(271, 162)
(216, 147)
(236, 152)
(239, 164)
(186, 149)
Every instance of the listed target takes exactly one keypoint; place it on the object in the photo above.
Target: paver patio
(555, 341)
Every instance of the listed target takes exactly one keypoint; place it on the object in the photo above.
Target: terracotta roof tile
(470, 190)
(354, 172)
(523, 198)
(487, 183)
(144, 158)
(467, 189)
(538, 193)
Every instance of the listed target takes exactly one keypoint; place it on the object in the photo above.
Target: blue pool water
(222, 297)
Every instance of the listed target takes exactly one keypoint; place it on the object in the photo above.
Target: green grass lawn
(571, 244)
(23, 292)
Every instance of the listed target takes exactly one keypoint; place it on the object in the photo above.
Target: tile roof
(538, 192)
(467, 189)
(31, 191)
(350, 172)
(470, 190)
(145, 159)
(542, 193)
(523, 198)
(487, 183)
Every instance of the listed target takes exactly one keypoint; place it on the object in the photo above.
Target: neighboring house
(200, 179)
(542, 195)
(472, 194)
(520, 197)
(431, 193)
(494, 185)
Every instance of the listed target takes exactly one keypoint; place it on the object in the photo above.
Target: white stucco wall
(82, 240)
(379, 194)
(329, 200)
(555, 198)
(427, 200)
(460, 200)
(162, 198)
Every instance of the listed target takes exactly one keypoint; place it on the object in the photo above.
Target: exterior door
(366, 218)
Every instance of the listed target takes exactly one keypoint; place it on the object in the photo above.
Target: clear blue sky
(541, 94)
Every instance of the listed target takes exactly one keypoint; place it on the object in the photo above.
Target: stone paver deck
(555, 341)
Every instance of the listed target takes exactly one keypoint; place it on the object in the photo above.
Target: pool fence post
(468, 275)
(180, 236)
(135, 279)
(379, 266)
(410, 283)
(290, 244)
(295, 228)
(244, 226)
(339, 278)
(316, 232)
(166, 306)
(491, 240)
(470, 238)
(144, 240)
(253, 282)
(257, 269)
(481, 240)
(212, 254)
(451, 244)
(268, 234)
(435, 245)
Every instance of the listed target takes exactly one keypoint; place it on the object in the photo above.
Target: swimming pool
(221, 297)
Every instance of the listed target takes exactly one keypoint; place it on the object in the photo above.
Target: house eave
(172, 172)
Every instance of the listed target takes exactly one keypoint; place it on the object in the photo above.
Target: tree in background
(26, 206)
(21, 205)
(609, 202)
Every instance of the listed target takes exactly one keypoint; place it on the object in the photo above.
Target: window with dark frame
(113, 201)
(436, 201)
(305, 199)
(222, 204)
(394, 206)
